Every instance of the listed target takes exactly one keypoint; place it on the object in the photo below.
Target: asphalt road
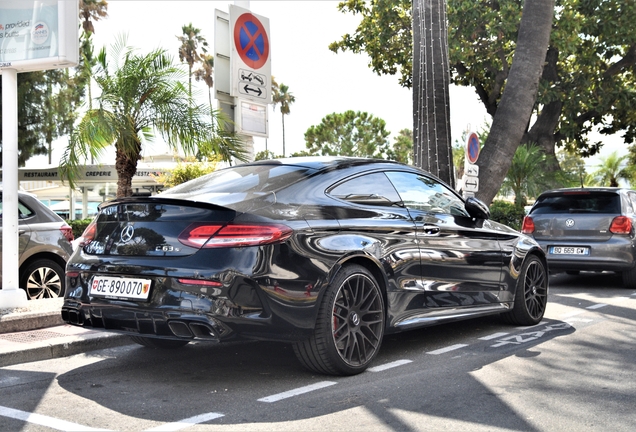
(575, 371)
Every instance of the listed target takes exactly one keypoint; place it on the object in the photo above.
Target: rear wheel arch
(371, 265)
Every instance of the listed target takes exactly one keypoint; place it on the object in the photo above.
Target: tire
(159, 343)
(629, 278)
(349, 327)
(531, 294)
(43, 279)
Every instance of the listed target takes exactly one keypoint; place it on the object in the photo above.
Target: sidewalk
(37, 332)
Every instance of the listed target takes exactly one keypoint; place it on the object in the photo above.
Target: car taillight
(216, 236)
(528, 225)
(89, 234)
(67, 232)
(621, 225)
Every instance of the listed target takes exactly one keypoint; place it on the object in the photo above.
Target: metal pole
(10, 295)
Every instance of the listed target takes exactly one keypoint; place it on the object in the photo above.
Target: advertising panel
(38, 35)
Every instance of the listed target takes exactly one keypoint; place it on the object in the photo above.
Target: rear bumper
(617, 255)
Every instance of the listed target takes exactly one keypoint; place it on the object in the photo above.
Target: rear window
(242, 179)
(578, 203)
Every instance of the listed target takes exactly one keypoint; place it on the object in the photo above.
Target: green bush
(507, 213)
(78, 225)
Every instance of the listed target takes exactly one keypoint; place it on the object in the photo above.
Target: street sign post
(470, 179)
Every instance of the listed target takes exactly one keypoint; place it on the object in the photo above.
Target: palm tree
(610, 171)
(525, 178)
(282, 96)
(431, 80)
(189, 49)
(92, 10)
(206, 74)
(142, 95)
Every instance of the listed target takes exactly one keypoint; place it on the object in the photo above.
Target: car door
(461, 258)
(24, 230)
(377, 222)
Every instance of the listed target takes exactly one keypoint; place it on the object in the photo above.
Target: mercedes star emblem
(127, 233)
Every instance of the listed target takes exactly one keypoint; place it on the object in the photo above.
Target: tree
(191, 40)
(523, 179)
(518, 99)
(348, 134)
(92, 10)
(611, 170)
(140, 96)
(206, 74)
(281, 95)
(431, 77)
(402, 150)
(587, 82)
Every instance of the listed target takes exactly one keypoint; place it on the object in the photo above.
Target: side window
(371, 189)
(23, 211)
(426, 194)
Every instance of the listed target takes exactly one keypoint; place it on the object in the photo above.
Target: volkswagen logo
(569, 223)
(127, 233)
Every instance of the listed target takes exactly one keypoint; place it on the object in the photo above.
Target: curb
(30, 321)
(63, 347)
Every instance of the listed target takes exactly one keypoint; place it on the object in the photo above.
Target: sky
(321, 81)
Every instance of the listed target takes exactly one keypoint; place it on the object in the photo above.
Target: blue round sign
(472, 148)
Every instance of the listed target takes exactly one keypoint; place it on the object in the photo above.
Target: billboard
(38, 35)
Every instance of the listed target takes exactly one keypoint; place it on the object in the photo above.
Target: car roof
(581, 190)
(324, 162)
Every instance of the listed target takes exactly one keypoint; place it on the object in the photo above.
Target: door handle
(430, 230)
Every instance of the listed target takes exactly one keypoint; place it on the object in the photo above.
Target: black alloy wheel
(349, 328)
(43, 279)
(531, 295)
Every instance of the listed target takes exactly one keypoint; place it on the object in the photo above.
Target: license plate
(569, 250)
(118, 287)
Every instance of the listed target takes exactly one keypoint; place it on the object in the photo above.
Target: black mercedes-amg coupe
(328, 254)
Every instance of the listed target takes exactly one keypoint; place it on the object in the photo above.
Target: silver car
(586, 229)
(45, 247)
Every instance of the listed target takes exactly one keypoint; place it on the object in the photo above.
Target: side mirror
(477, 209)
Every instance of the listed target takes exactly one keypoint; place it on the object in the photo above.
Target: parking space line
(572, 314)
(182, 424)
(447, 349)
(596, 306)
(389, 365)
(43, 420)
(296, 392)
(494, 336)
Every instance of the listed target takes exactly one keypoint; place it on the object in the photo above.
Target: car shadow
(142, 383)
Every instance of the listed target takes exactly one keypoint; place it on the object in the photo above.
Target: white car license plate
(129, 288)
(569, 250)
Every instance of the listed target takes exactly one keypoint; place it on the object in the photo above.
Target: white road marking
(389, 365)
(296, 392)
(43, 420)
(447, 349)
(182, 424)
(596, 306)
(584, 320)
(571, 314)
(494, 336)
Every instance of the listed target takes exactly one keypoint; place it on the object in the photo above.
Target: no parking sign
(250, 55)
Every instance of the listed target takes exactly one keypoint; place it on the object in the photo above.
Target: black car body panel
(331, 213)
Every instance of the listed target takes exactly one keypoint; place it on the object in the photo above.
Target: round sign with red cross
(472, 148)
(251, 41)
